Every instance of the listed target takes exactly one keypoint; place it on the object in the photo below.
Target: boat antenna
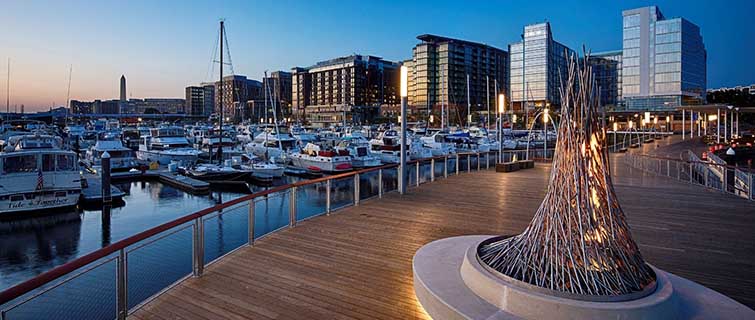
(7, 92)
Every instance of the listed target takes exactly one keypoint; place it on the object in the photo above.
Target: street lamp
(615, 128)
(501, 110)
(545, 130)
(404, 94)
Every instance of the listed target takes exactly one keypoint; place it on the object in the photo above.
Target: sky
(163, 46)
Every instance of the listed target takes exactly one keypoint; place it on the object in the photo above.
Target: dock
(357, 262)
(93, 191)
(176, 180)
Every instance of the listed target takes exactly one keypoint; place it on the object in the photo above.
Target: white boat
(438, 145)
(387, 146)
(260, 168)
(37, 175)
(314, 159)
(417, 149)
(358, 148)
(165, 145)
(121, 158)
(268, 145)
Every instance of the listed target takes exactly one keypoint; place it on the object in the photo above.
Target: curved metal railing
(710, 174)
(118, 279)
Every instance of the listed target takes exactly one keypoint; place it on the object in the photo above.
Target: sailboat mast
(469, 105)
(68, 93)
(442, 101)
(220, 91)
(7, 91)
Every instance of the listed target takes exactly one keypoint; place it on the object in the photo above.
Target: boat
(358, 147)
(259, 168)
(37, 174)
(165, 145)
(121, 158)
(387, 146)
(268, 145)
(438, 145)
(218, 174)
(315, 159)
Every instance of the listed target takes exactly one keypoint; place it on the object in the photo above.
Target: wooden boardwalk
(357, 263)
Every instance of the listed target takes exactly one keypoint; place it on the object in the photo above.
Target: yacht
(358, 148)
(121, 157)
(268, 145)
(165, 145)
(261, 169)
(37, 174)
(387, 146)
(314, 159)
(438, 145)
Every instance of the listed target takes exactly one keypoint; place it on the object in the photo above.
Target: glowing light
(712, 117)
(545, 115)
(501, 103)
(647, 117)
(668, 119)
(615, 126)
(513, 118)
(404, 81)
(432, 118)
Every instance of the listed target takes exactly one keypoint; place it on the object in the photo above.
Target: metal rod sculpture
(578, 242)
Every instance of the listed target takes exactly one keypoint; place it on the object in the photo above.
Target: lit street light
(404, 93)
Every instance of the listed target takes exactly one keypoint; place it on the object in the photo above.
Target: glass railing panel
(439, 167)
(390, 179)
(89, 293)
(158, 262)
(271, 213)
(226, 231)
(342, 193)
(368, 184)
(310, 200)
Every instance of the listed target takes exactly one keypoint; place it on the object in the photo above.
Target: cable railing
(636, 140)
(710, 174)
(114, 281)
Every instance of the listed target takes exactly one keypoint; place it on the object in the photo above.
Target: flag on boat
(40, 180)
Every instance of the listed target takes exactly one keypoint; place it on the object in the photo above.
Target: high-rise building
(107, 106)
(439, 70)
(664, 61)
(237, 91)
(280, 86)
(194, 100)
(351, 88)
(606, 66)
(537, 82)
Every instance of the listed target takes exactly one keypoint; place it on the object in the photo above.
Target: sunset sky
(163, 46)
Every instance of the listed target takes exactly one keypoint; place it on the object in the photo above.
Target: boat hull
(41, 200)
(318, 163)
(166, 158)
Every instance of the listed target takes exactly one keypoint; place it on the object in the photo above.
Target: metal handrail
(711, 175)
(116, 250)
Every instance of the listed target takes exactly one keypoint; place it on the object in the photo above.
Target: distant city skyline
(163, 47)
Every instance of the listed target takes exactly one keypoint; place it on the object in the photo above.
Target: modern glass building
(664, 61)
(607, 68)
(536, 65)
(439, 69)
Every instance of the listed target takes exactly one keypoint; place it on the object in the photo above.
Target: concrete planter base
(450, 283)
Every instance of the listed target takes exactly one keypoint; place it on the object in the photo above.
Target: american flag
(40, 180)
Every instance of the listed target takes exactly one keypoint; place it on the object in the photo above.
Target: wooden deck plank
(356, 263)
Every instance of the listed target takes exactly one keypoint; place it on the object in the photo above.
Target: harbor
(243, 160)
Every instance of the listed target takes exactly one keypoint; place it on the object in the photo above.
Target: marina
(321, 172)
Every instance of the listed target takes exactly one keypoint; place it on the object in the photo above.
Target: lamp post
(501, 109)
(404, 94)
(545, 132)
(615, 127)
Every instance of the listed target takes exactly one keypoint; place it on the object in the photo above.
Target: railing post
(445, 167)
(380, 187)
(356, 189)
(198, 248)
(292, 208)
(417, 172)
(251, 222)
(469, 162)
(668, 168)
(752, 194)
(478, 161)
(327, 191)
(707, 172)
(122, 285)
(690, 172)
(457, 164)
(726, 180)
(487, 160)
(432, 169)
